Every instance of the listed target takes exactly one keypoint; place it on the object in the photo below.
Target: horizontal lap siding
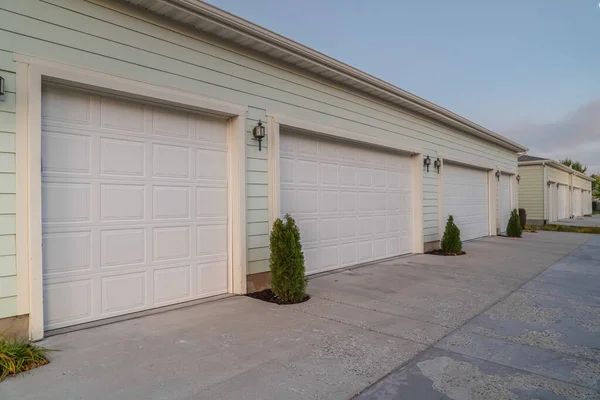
(531, 191)
(557, 175)
(8, 266)
(582, 183)
(119, 39)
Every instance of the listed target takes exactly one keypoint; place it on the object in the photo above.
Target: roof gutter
(240, 25)
(557, 165)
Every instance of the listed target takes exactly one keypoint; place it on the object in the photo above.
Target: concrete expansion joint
(455, 329)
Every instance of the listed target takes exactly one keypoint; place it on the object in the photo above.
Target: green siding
(8, 266)
(531, 191)
(120, 39)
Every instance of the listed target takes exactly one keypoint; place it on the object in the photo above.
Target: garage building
(550, 191)
(131, 179)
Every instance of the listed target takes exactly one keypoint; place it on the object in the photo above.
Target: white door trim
(277, 120)
(30, 72)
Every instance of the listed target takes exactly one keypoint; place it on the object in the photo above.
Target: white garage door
(552, 203)
(563, 206)
(352, 204)
(505, 203)
(577, 202)
(134, 206)
(465, 196)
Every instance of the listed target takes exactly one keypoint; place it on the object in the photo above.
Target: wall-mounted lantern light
(557, 185)
(437, 164)
(498, 175)
(427, 162)
(1, 88)
(518, 179)
(259, 134)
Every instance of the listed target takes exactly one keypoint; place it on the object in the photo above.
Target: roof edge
(557, 165)
(246, 27)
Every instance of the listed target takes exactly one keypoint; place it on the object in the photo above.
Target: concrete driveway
(360, 325)
(594, 220)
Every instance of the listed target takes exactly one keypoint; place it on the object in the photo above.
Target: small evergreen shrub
(451, 243)
(288, 280)
(523, 217)
(514, 228)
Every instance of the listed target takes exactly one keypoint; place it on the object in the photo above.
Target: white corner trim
(417, 188)
(31, 72)
(356, 137)
(237, 205)
(273, 163)
(492, 202)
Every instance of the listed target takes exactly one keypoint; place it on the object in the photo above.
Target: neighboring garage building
(153, 192)
(550, 191)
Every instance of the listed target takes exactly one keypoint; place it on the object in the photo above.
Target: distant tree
(596, 186)
(576, 165)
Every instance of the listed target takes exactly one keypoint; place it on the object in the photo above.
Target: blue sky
(527, 69)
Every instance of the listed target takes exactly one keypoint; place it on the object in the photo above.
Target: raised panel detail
(211, 240)
(65, 153)
(71, 302)
(123, 293)
(171, 202)
(167, 122)
(66, 106)
(212, 278)
(211, 164)
(121, 202)
(122, 115)
(211, 202)
(171, 243)
(172, 284)
(65, 202)
(121, 157)
(66, 252)
(171, 161)
(123, 247)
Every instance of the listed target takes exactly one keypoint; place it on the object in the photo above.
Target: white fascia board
(271, 39)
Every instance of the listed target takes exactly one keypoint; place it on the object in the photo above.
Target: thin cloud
(577, 136)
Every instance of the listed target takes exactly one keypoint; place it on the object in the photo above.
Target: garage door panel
(67, 252)
(137, 217)
(465, 196)
(354, 205)
(123, 293)
(63, 310)
(122, 157)
(122, 247)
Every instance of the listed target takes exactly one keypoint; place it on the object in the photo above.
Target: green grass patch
(18, 356)
(595, 212)
(564, 228)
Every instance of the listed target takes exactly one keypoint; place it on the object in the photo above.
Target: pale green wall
(118, 39)
(531, 191)
(8, 278)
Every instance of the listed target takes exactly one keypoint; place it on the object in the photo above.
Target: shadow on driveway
(359, 325)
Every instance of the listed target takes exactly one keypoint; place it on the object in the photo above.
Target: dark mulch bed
(443, 253)
(268, 296)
